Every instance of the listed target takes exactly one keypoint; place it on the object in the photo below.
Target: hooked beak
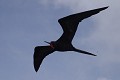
(47, 42)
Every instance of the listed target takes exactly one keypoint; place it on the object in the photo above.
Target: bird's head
(52, 44)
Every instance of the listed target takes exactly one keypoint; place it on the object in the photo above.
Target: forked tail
(84, 52)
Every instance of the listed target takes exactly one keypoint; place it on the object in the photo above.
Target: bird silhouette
(64, 43)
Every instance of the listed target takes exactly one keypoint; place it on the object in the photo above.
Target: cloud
(74, 4)
(103, 78)
(107, 22)
(105, 38)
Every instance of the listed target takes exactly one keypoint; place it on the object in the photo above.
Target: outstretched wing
(70, 23)
(40, 52)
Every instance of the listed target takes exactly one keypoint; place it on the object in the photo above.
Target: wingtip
(105, 7)
(102, 8)
(36, 70)
(94, 55)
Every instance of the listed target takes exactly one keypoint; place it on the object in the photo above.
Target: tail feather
(84, 52)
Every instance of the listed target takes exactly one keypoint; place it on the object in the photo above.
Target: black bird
(64, 43)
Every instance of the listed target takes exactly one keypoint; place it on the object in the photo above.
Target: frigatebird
(64, 43)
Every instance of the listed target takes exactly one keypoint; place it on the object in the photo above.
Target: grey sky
(25, 24)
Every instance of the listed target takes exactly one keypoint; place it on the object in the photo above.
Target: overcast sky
(25, 24)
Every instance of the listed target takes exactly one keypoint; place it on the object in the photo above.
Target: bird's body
(62, 46)
(64, 43)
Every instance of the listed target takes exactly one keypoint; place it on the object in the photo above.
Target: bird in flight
(69, 25)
